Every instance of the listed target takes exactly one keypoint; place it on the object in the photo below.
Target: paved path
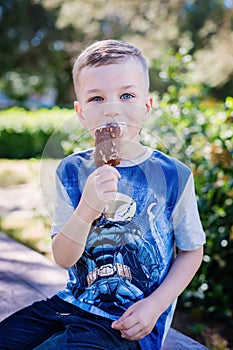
(20, 198)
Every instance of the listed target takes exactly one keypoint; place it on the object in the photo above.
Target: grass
(32, 231)
(18, 172)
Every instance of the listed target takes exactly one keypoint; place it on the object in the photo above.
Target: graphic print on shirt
(118, 264)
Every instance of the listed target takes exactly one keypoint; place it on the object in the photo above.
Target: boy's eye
(126, 96)
(95, 98)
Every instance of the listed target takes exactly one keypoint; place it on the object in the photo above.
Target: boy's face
(114, 93)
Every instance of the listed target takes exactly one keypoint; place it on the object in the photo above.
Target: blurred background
(189, 48)
(40, 38)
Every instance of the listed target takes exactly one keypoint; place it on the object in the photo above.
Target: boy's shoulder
(77, 157)
(170, 163)
(73, 161)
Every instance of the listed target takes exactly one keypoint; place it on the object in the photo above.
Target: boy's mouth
(114, 125)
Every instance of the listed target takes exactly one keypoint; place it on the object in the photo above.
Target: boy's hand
(138, 320)
(99, 190)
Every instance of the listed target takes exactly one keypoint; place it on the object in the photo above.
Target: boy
(115, 227)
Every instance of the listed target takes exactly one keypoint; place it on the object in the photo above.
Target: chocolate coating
(107, 145)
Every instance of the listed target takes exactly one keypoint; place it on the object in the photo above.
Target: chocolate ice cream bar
(107, 145)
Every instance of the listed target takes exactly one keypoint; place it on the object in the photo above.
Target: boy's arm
(68, 245)
(140, 318)
(100, 188)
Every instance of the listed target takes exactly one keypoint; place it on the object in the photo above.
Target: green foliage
(209, 144)
(25, 134)
(199, 132)
(31, 50)
(39, 40)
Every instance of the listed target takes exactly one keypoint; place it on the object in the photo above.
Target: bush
(25, 134)
(200, 134)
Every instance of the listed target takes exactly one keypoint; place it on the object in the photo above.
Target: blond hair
(106, 52)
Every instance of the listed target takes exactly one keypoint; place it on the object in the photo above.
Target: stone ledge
(27, 276)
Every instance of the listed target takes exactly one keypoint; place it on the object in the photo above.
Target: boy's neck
(131, 150)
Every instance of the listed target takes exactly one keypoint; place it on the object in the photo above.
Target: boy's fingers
(126, 321)
(126, 314)
(131, 332)
(107, 169)
(101, 187)
(102, 178)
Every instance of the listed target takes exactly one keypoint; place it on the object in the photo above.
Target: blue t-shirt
(130, 248)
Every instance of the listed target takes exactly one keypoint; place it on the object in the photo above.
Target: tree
(209, 24)
(32, 58)
(40, 38)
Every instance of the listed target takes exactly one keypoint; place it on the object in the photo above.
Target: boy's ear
(149, 104)
(78, 111)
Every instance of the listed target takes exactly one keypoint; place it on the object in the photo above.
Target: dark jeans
(55, 324)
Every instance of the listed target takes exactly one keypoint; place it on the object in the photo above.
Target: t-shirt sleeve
(63, 208)
(188, 231)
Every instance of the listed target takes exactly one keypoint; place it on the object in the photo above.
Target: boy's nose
(112, 111)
